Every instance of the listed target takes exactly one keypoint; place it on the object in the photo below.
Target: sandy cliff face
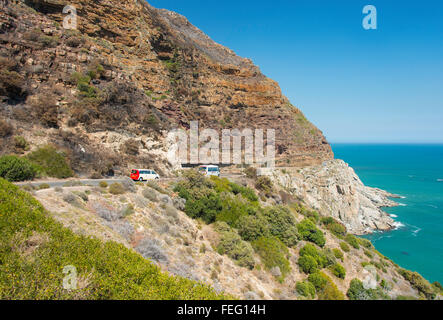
(150, 70)
(335, 190)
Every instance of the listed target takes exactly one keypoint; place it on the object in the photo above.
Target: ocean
(414, 172)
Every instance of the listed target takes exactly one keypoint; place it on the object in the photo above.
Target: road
(96, 182)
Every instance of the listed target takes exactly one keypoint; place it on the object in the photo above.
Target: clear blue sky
(356, 85)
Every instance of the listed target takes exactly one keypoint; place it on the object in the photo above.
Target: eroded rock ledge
(334, 189)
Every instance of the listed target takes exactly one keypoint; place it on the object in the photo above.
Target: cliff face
(148, 71)
(333, 189)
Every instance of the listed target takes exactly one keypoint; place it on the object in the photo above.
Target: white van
(210, 170)
(144, 175)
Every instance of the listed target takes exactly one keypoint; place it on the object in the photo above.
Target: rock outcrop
(334, 189)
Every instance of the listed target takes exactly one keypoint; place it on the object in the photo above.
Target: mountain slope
(35, 250)
(129, 74)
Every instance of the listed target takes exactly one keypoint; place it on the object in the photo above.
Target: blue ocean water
(414, 172)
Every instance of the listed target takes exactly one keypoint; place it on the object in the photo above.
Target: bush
(336, 228)
(344, 246)
(307, 264)
(6, 129)
(338, 253)
(152, 249)
(51, 162)
(419, 283)
(12, 84)
(352, 240)
(264, 184)
(44, 186)
(116, 188)
(252, 227)
(309, 232)
(273, 253)
(282, 224)
(233, 208)
(150, 194)
(21, 143)
(206, 207)
(251, 172)
(339, 271)
(13, 168)
(306, 289)
(365, 243)
(357, 291)
(310, 250)
(234, 247)
(326, 289)
(318, 280)
(103, 184)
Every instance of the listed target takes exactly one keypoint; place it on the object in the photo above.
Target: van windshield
(134, 171)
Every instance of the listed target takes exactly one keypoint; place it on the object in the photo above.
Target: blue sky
(356, 85)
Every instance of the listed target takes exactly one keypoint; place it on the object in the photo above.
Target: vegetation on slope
(34, 250)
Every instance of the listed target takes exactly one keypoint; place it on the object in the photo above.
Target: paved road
(96, 182)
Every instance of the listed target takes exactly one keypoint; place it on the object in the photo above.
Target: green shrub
(21, 143)
(309, 232)
(234, 247)
(51, 162)
(35, 249)
(44, 186)
(306, 289)
(357, 291)
(264, 184)
(338, 253)
(325, 287)
(352, 240)
(368, 254)
(419, 283)
(365, 243)
(344, 246)
(206, 207)
(282, 224)
(233, 208)
(438, 287)
(307, 264)
(253, 227)
(273, 253)
(318, 279)
(116, 188)
(338, 270)
(312, 215)
(103, 184)
(336, 228)
(13, 168)
(319, 255)
(251, 172)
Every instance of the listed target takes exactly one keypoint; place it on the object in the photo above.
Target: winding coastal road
(96, 182)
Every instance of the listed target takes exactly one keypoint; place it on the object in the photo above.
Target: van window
(202, 169)
(213, 169)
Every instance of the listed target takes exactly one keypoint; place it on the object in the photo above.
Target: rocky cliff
(333, 189)
(109, 91)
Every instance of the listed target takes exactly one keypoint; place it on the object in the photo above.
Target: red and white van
(144, 175)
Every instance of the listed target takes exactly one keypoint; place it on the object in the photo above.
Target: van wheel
(141, 179)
